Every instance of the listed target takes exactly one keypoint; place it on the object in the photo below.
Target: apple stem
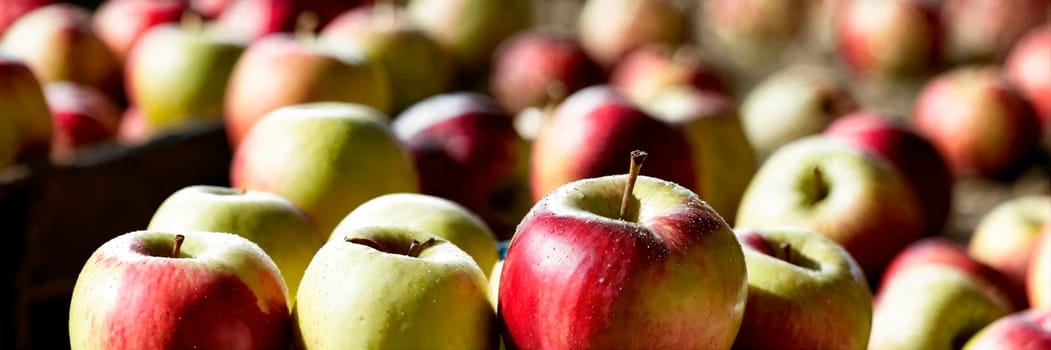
(191, 21)
(786, 252)
(306, 24)
(819, 187)
(637, 158)
(365, 242)
(416, 247)
(177, 247)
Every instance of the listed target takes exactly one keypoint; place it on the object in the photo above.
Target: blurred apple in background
(934, 296)
(667, 273)
(752, 34)
(120, 23)
(438, 216)
(984, 30)
(648, 70)
(925, 170)
(216, 291)
(465, 149)
(255, 19)
(837, 189)
(81, 116)
(327, 158)
(804, 292)
(1006, 236)
(24, 110)
(58, 44)
(272, 222)
(470, 30)
(1038, 280)
(11, 10)
(1027, 69)
(537, 68)
(133, 128)
(210, 9)
(1024, 330)
(415, 65)
(610, 29)
(282, 70)
(798, 101)
(889, 39)
(979, 123)
(390, 287)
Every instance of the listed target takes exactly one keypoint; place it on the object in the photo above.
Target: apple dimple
(163, 248)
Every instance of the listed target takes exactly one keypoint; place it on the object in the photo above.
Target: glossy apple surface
(1026, 330)
(81, 115)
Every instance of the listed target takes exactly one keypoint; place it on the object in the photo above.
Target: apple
(210, 9)
(416, 66)
(935, 297)
(925, 169)
(1025, 68)
(58, 44)
(255, 19)
(804, 292)
(326, 157)
(895, 40)
(12, 10)
(272, 222)
(977, 121)
(1038, 280)
(536, 68)
(470, 30)
(662, 271)
(389, 287)
(160, 290)
(494, 283)
(610, 29)
(940, 250)
(120, 23)
(81, 116)
(177, 75)
(438, 216)
(984, 30)
(648, 70)
(1006, 236)
(797, 101)
(133, 128)
(465, 149)
(25, 110)
(837, 189)
(1030, 329)
(753, 32)
(281, 70)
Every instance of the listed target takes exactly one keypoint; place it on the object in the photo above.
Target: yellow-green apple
(804, 292)
(120, 23)
(585, 271)
(1026, 69)
(415, 65)
(648, 70)
(470, 30)
(255, 19)
(186, 290)
(610, 29)
(58, 44)
(753, 32)
(24, 109)
(465, 149)
(437, 216)
(798, 101)
(281, 70)
(837, 189)
(177, 75)
(272, 222)
(535, 68)
(724, 159)
(389, 287)
(326, 157)
(889, 39)
(934, 296)
(1023, 330)
(984, 30)
(1038, 280)
(925, 169)
(978, 121)
(81, 116)
(1006, 236)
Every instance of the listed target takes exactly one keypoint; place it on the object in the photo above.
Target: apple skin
(320, 156)
(390, 300)
(1038, 281)
(1006, 236)
(177, 76)
(925, 169)
(812, 296)
(984, 30)
(837, 189)
(1024, 330)
(435, 215)
(531, 69)
(211, 9)
(648, 70)
(12, 10)
(120, 23)
(58, 44)
(82, 115)
(1026, 69)
(133, 128)
(470, 30)
(670, 276)
(465, 149)
(25, 110)
(893, 40)
(978, 122)
(255, 19)
(610, 29)
(753, 32)
(280, 70)
(132, 295)
(266, 219)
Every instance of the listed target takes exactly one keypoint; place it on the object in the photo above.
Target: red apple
(978, 122)
(1025, 330)
(82, 116)
(120, 23)
(888, 38)
(941, 251)
(1027, 68)
(11, 10)
(647, 71)
(254, 19)
(24, 110)
(1006, 237)
(210, 9)
(535, 68)
(984, 30)
(610, 29)
(1038, 281)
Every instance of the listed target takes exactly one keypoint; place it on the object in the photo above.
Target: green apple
(270, 221)
(385, 287)
(26, 118)
(471, 29)
(1006, 237)
(435, 215)
(327, 158)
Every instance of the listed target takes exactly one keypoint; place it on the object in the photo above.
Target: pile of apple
(382, 151)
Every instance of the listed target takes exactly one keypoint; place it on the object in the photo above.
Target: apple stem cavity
(637, 158)
(177, 247)
(416, 247)
(306, 24)
(819, 188)
(191, 21)
(786, 252)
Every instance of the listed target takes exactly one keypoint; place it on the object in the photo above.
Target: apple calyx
(177, 246)
(637, 158)
(414, 250)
